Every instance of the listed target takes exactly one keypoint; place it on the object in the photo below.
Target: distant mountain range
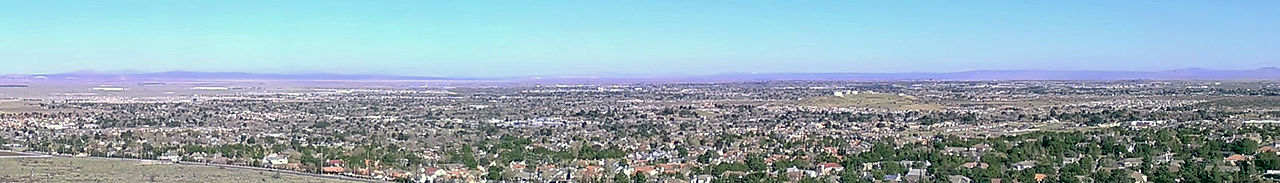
(200, 76)
(1269, 73)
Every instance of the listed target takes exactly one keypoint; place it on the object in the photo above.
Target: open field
(1249, 102)
(10, 106)
(872, 101)
(66, 169)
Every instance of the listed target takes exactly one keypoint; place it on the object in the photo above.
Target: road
(12, 154)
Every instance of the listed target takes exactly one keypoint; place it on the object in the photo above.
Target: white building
(275, 159)
(171, 157)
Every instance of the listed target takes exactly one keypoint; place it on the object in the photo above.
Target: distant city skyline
(561, 38)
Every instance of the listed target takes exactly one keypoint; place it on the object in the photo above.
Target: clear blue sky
(524, 38)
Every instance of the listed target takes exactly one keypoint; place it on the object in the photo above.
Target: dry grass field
(1245, 102)
(871, 101)
(66, 169)
(9, 106)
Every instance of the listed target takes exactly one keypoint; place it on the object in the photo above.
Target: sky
(476, 38)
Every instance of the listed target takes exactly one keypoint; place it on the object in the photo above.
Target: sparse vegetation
(65, 169)
(872, 101)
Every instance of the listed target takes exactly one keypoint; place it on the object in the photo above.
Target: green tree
(495, 173)
(639, 178)
(1268, 161)
(620, 178)
(1245, 146)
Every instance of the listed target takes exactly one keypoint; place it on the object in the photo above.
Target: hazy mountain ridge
(188, 75)
(1269, 73)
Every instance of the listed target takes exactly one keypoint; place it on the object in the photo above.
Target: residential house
(275, 160)
(1138, 177)
(959, 179)
(1024, 165)
(1268, 149)
(916, 175)
(333, 169)
(1130, 162)
(831, 168)
(797, 173)
(893, 178)
(1235, 158)
(702, 179)
(971, 165)
(170, 157)
(1040, 177)
(1164, 158)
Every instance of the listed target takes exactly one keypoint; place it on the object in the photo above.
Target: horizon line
(96, 72)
